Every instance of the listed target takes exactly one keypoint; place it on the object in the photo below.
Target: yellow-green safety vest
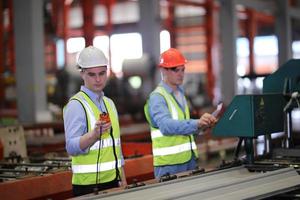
(171, 149)
(84, 166)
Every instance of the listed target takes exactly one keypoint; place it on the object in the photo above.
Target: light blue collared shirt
(161, 116)
(75, 121)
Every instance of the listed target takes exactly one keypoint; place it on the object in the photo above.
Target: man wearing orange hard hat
(172, 131)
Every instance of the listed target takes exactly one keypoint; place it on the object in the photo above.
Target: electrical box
(251, 116)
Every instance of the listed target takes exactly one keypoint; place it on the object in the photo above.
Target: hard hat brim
(171, 66)
(92, 66)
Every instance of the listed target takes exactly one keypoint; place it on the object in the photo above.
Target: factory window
(102, 42)
(296, 49)
(75, 44)
(266, 54)
(242, 50)
(60, 55)
(125, 12)
(265, 51)
(265, 46)
(124, 46)
(165, 41)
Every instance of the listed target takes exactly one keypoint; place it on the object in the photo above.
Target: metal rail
(233, 183)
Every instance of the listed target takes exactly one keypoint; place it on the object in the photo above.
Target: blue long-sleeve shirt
(161, 116)
(75, 122)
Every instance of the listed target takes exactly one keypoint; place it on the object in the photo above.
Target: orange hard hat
(171, 58)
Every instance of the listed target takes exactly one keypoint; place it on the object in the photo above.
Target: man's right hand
(206, 121)
(101, 127)
(91, 137)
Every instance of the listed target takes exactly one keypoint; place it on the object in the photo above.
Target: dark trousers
(79, 190)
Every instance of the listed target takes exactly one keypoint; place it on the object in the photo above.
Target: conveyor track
(232, 183)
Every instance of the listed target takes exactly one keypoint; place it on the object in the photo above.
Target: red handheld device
(104, 117)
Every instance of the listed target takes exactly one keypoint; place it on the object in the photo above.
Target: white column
(30, 68)
(228, 32)
(283, 32)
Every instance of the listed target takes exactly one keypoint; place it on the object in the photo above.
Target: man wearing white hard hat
(92, 129)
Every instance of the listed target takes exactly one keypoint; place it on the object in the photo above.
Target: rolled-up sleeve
(162, 119)
(74, 124)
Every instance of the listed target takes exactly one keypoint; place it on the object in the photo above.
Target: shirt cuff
(194, 124)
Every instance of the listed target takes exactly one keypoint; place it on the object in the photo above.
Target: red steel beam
(170, 23)
(65, 25)
(210, 34)
(11, 49)
(1, 56)
(1, 38)
(56, 14)
(251, 31)
(88, 21)
(263, 18)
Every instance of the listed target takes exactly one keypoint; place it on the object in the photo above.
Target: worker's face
(94, 78)
(174, 76)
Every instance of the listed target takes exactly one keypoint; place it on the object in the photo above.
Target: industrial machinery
(271, 114)
(272, 175)
(250, 116)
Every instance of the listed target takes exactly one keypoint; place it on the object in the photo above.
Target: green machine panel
(251, 116)
(285, 79)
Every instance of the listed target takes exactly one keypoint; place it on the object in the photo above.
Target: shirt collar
(169, 89)
(94, 96)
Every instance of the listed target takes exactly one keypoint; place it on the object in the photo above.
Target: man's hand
(91, 137)
(206, 121)
(101, 127)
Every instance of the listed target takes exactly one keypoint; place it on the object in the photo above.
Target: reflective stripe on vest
(174, 112)
(174, 149)
(105, 143)
(155, 133)
(89, 111)
(93, 168)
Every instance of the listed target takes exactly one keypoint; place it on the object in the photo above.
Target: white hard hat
(91, 57)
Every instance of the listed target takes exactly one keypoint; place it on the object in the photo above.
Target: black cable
(238, 148)
(115, 155)
(114, 151)
(96, 189)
